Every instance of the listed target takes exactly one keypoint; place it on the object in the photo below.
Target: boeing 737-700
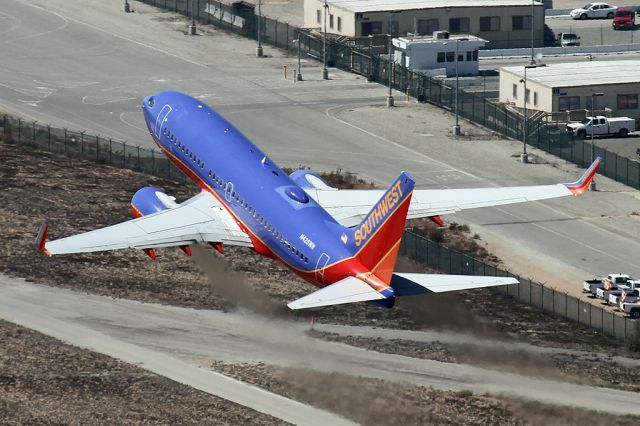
(344, 241)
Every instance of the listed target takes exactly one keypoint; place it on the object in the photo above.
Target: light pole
(325, 71)
(524, 157)
(456, 127)
(192, 27)
(592, 185)
(390, 97)
(299, 73)
(532, 61)
(259, 48)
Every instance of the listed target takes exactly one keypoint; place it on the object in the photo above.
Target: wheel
(635, 314)
(623, 133)
(610, 15)
(582, 134)
(583, 16)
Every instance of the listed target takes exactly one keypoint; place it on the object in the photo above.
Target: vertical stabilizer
(376, 240)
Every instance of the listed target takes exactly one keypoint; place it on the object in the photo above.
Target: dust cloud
(233, 286)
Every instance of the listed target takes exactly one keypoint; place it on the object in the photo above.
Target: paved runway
(174, 341)
(85, 64)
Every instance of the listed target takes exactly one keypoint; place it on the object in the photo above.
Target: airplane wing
(347, 290)
(199, 219)
(349, 207)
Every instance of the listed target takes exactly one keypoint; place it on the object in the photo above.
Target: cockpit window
(151, 102)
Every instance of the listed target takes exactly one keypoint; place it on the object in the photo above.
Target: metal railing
(84, 146)
(437, 256)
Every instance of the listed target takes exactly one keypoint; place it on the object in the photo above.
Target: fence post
(49, 137)
(97, 148)
(111, 151)
(34, 133)
(19, 130)
(124, 154)
(139, 168)
(275, 34)
(65, 141)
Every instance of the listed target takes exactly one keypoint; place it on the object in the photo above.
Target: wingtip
(41, 238)
(580, 186)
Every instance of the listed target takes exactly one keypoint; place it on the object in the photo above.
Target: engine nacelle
(149, 200)
(307, 179)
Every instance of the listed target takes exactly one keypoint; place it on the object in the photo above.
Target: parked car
(594, 11)
(624, 19)
(602, 126)
(612, 281)
(632, 308)
(568, 39)
(625, 296)
(611, 295)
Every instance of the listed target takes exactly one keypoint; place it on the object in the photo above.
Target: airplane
(345, 242)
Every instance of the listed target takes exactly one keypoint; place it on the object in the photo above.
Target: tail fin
(376, 240)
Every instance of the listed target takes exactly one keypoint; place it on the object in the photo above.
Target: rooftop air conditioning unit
(441, 35)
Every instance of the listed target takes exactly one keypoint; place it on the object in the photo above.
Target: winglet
(41, 238)
(581, 185)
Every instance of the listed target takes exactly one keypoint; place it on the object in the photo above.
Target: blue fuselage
(264, 201)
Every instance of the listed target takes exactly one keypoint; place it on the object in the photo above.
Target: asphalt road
(180, 342)
(85, 64)
(593, 32)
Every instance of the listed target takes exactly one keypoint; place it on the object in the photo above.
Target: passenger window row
(237, 197)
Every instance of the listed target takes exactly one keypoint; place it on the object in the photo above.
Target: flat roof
(577, 74)
(431, 39)
(360, 6)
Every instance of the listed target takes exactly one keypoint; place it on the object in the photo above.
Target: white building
(503, 23)
(439, 52)
(570, 87)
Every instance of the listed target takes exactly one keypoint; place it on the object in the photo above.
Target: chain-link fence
(79, 144)
(359, 58)
(437, 256)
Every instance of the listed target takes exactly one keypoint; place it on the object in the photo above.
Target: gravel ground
(375, 402)
(78, 196)
(44, 381)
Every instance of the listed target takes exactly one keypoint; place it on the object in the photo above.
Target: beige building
(504, 23)
(570, 86)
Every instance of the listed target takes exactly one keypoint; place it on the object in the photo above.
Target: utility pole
(259, 48)
(524, 157)
(532, 61)
(390, 97)
(192, 28)
(299, 74)
(456, 127)
(592, 185)
(325, 72)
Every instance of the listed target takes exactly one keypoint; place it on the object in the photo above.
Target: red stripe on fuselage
(332, 273)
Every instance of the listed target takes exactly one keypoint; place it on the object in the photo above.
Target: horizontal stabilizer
(409, 284)
(347, 290)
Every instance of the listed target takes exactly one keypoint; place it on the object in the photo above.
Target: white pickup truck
(611, 282)
(602, 126)
(612, 297)
(632, 308)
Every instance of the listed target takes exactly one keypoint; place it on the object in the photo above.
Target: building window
(515, 91)
(339, 23)
(441, 56)
(428, 26)
(394, 27)
(567, 103)
(318, 16)
(371, 28)
(521, 22)
(475, 55)
(628, 101)
(527, 96)
(451, 56)
(331, 20)
(535, 98)
(489, 23)
(459, 25)
(469, 56)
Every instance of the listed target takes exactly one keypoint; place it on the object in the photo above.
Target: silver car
(594, 10)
